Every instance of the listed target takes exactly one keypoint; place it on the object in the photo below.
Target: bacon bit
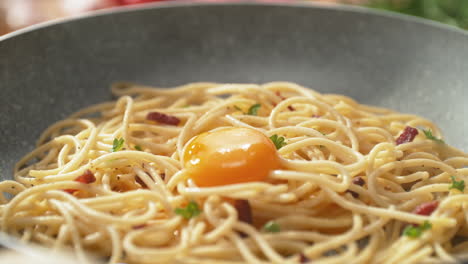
(244, 212)
(87, 177)
(141, 182)
(359, 181)
(139, 226)
(426, 208)
(353, 193)
(408, 134)
(315, 116)
(303, 258)
(163, 118)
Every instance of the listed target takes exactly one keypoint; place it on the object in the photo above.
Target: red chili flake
(87, 177)
(244, 212)
(426, 208)
(70, 191)
(408, 134)
(280, 96)
(303, 258)
(141, 182)
(139, 226)
(359, 181)
(290, 107)
(163, 118)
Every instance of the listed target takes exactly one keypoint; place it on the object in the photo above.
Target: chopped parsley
(254, 109)
(138, 147)
(278, 141)
(459, 185)
(117, 144)
(428, 134)
(191, 210)
(237, 108)
(272, 227)
(416, 231)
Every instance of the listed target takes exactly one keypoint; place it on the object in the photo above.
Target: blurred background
(16, 14)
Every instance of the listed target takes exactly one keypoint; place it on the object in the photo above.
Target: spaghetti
(134, 180)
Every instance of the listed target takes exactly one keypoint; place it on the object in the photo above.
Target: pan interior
(383, 60)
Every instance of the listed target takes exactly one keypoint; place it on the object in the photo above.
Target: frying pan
(411, 65)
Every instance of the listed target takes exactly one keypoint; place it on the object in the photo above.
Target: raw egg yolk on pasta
(231, 155)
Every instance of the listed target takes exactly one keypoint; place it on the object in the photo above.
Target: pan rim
(234, 3)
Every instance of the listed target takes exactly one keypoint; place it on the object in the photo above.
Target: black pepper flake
(359, 181)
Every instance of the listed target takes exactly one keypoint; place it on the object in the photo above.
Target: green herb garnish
(416, 231)
(117, 144)
(278, 141)
(237, 108)
(459, 185)
(138, 147)
(428, 134)
(272, 227)
(254, 109)
(191, 210)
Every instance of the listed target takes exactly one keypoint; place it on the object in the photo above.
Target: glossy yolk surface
(231, 155)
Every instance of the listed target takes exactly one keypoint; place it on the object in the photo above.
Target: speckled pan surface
(402, 63)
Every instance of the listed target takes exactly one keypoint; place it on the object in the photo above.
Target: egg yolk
(228, 156)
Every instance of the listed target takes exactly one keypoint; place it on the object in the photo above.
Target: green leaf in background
(452, 12)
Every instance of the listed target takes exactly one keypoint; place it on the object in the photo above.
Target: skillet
(51, 70)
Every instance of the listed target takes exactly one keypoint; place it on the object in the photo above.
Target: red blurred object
(407, 136)
(426, 208)
(133, 2)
